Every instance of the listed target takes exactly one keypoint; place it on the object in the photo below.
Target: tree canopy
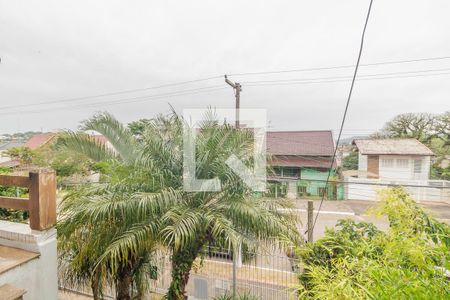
(358, 261)
(109, 232)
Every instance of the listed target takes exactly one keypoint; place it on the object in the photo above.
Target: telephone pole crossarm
(237, 93)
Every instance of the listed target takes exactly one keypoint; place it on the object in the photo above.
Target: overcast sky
(60, 50)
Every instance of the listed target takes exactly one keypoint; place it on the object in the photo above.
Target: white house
(391, 162)
(402, 159)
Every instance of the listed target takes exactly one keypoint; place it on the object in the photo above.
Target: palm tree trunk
(95, 286)
(182, 262)
(124, 283)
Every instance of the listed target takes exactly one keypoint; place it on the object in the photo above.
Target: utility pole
(310, 221)
(237, 93)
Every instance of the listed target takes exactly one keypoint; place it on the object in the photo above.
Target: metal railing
(269, 274)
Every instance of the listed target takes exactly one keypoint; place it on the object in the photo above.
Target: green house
(301, 161)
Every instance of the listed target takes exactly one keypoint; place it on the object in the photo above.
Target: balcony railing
(41, 202)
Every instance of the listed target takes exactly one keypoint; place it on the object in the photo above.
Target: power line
(341, 67)
(346, 80)
(249, 84)
(346, 109)
(75, 99)
(345, 77)
(127, 100)
(112, 93)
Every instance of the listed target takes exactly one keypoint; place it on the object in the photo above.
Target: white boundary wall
(420, 190)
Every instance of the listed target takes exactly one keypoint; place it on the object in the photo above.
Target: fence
(261, 274)
(307, 189)
(265, 275)
(352, 188)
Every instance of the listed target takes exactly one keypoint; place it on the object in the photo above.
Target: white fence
(420, 190)
(264, 275)
(261, 275)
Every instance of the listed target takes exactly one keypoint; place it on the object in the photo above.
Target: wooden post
(42, 199)
(310, 220)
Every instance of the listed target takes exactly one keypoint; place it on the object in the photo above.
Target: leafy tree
(23, 154)
(442, 128)
(438, 172)
(138, 127)
(65, 162)
(350, 162)
(420, 126)
(358, 261)
(110, 231)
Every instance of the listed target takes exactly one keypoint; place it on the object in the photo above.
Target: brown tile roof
(39, 140)
(301, 143)
(392, 146)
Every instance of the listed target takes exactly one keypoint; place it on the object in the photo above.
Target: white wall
(362, 163)
(420, 190)
(38, 276)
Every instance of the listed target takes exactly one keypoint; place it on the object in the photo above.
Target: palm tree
(146, 206)
(93, 217)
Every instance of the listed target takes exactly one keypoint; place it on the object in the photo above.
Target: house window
(387, 163)
(417, 166)
(301, 190)
(291, 172)
(277, 171)
(402, 163)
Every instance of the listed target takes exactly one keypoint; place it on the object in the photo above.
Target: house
(301, 160)
(385, 163)
(39, 140)
(404, 159)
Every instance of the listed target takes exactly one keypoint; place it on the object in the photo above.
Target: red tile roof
(300, 143)
(39, 140)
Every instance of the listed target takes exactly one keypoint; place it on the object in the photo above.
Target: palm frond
(117, 134)
(87, 145)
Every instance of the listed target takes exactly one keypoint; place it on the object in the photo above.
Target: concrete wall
(38, 276)
(420, 190)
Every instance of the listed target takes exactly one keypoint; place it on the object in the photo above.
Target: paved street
(332, 211)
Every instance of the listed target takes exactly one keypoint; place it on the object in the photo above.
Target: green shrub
(358, 261)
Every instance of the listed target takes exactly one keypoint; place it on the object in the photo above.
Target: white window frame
(387, 162)
(418, 166)
(402, 163)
